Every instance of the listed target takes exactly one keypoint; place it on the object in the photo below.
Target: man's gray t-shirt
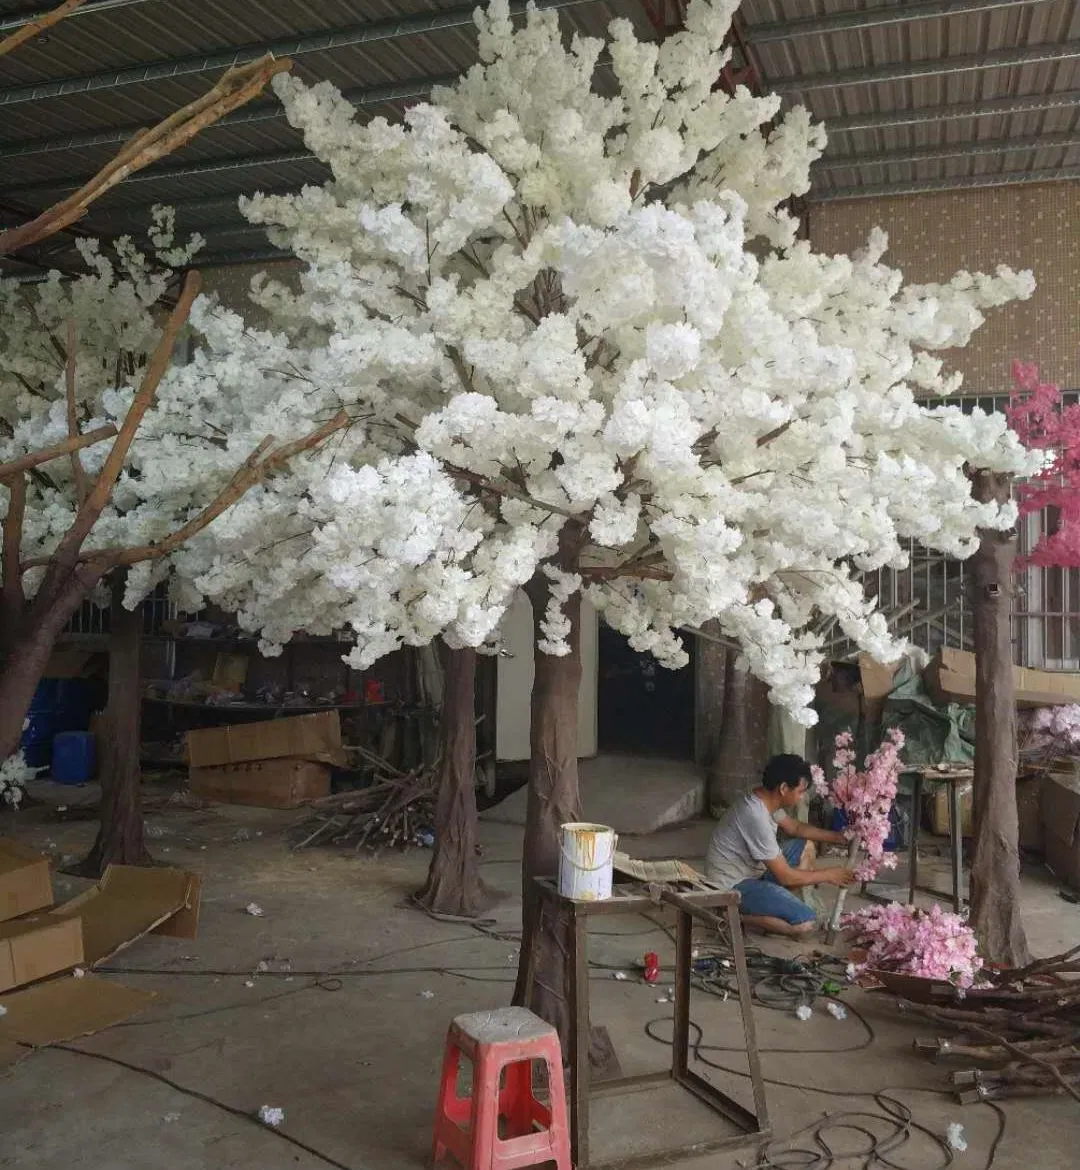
(742, 842)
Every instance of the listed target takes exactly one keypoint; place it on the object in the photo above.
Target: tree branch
(35, 28)
(237, 87)
(94, 504)
(505, 489)
(78, 473)
(253, 470)
(47, 454)
(11, 591)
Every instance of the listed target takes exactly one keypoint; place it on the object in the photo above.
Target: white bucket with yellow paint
(585, 862)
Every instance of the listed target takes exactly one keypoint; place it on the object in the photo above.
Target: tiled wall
(933, 236)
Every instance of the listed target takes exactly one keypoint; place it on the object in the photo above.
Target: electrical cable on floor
(206, 1099)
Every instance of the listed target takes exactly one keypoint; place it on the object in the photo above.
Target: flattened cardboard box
(25, 884)
(303, 737)
(950, 678)
(265, 784)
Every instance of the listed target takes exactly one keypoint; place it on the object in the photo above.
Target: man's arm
(793, 878)
(804, 832)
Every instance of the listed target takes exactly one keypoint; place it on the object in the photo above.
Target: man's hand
(840, 876)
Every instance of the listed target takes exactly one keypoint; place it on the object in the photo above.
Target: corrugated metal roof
(904, 86)
(970, 139)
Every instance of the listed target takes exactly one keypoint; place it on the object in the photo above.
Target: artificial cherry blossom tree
(584, 355)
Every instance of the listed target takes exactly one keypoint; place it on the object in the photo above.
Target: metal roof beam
(939, 67)
(956, 183)
(919, 117)
(211, 166)
(371, 32)
(950, 150)
(13, 20)
(877, 17)
(366, 95)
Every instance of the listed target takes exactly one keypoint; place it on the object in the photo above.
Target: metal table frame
(697, 904)
(956, 831)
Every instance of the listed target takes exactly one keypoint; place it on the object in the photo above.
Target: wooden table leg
(680, 1048)
(746, 1008)
(579, 1041)
(956, 844)
(913, 850)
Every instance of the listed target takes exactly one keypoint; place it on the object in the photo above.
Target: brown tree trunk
(453, 881)
(995, 869)
(553, 800)
(31, 647)
(744, 738)
(120, 837)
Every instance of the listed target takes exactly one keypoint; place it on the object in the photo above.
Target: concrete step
(635, 795)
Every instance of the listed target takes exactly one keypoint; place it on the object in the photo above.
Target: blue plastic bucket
(74, 757)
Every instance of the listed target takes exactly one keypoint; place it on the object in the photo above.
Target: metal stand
(753, 1127)
(956, 832)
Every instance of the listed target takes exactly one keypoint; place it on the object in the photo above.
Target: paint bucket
(585, 862)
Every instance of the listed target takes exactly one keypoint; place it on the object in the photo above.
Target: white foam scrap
(3, 1011)
(170, 1117)
(271, 1115)
(254, 909)
(79, 973)
(620, 975)
(427, 994)
(836, 1010)
(249, 982)
(955, 1137)
(663, 999)
(804, 1011)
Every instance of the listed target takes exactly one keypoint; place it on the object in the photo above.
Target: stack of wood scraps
(396, 810)
(1019, 1037)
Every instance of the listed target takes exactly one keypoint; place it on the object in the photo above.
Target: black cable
(206, 1099)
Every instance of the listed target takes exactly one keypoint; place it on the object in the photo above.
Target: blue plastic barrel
(74, 757)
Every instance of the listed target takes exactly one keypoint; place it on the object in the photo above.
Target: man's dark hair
(787, 769)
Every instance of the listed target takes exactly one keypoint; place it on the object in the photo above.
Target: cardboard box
(1029, 813)
(264, 784)
(303, 737)
(950, 678)
(131, 901)
(230, 671)
(939, 810)
(1061, 826)
(25, 884)
(32, 948)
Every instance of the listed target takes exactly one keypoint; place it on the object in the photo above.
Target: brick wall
(933, 236)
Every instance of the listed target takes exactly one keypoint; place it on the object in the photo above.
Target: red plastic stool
(468, 1127)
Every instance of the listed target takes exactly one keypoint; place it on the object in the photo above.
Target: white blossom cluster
(15, 772)
(565, 315)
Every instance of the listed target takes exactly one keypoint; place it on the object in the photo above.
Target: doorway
(643, 708)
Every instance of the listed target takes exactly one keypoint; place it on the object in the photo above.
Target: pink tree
(1038, 414)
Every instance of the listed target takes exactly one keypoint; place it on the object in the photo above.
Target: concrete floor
(350, 1041)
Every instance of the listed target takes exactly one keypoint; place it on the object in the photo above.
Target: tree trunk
(995, 869)
(553, 800)
(30, 650)
(744, 737)
(120, 839)
(453, 881)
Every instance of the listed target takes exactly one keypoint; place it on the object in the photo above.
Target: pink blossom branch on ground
(866, 798)
(932, 944)
(1038, 414)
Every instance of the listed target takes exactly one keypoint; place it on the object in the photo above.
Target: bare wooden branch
(78, 472)
(237, 87)
(35, 28)
(46, 454)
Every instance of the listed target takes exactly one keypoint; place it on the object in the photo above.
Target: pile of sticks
(396, 810)
(1018, 1038)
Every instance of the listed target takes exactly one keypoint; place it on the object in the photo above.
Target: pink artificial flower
(932, 944)
(867, 797)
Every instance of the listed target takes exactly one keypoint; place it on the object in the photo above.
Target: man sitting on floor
(744, 854)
